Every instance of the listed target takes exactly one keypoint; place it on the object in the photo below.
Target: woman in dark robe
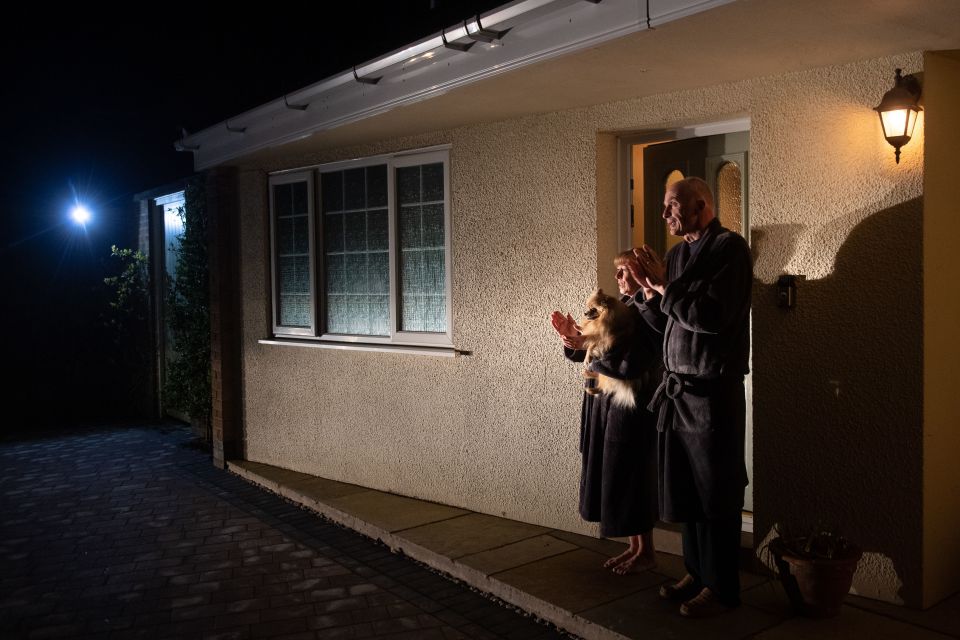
(618, 481)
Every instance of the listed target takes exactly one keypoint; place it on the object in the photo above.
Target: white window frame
(398, 338)
(281, 179)
(410, 337)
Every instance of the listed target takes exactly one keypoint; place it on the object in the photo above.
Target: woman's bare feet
(616, 560)
(636, 563)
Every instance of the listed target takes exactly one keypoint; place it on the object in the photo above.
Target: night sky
(92, 101)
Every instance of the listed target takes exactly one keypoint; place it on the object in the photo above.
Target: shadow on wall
(838, 395)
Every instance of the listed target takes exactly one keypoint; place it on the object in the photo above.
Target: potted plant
(816, 569)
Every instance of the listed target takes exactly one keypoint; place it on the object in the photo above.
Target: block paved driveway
(132, 533)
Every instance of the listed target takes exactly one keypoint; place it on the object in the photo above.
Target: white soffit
(539, 30)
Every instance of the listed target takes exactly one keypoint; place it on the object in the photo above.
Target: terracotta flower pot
(816, 586)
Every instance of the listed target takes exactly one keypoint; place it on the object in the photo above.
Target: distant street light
(80, 214)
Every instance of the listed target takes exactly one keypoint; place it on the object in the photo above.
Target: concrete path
(131, 533)
(556, 575)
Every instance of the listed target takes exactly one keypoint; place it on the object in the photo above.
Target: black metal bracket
(484, 35)
(365, 79)
(457, 46)
(234, 129)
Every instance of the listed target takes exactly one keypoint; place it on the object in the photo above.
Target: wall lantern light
(898, 111)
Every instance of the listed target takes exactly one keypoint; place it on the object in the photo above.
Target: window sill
(441, 352)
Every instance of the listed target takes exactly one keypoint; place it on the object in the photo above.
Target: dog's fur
(607, 322)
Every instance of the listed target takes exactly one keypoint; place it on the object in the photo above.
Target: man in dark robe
(700, 302)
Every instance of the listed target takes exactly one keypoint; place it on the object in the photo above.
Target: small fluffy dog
(607, 323)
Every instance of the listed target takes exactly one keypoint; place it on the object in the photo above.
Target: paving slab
(558, 575)
(849, 623)
(770, 597)
(944, 617)
(291, 482)
(609, 548)
(470, 533)
(516, 554)
(644, 615)
(391, 512)
(576, 580)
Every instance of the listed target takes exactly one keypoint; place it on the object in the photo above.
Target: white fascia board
(539, 30)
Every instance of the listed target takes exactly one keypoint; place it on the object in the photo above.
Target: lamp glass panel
(911, 121)
(895, 122)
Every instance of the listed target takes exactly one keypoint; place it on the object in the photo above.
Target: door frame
(625, 143)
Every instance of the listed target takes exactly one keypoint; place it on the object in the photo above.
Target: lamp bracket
(910, 83)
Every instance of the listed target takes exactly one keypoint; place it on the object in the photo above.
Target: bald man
(699, 299)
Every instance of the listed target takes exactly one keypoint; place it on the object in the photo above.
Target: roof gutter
(511, 36)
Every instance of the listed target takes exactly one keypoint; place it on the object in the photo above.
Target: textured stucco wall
(497, 431)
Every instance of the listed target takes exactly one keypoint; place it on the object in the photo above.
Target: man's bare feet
(612, 562)
(637, 563)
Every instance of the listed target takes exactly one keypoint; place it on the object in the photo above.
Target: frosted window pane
(294, 298)
(285, 235)
(378, 272)
(336, 274)
(354, 189)
(301, 234)
(433, 225)
(288, 274)
(355, 231)
(292, 254)
(333, 232)
(377, 230)
(729, 197)
(379, 315)
(282, 200)
(432, 271)
(411, 315)
(331, 188)
(432, 182)
(336, 314)
(356, 243)
(410, 227)
(411, 279)
(422, 260)
(437, 318)
(294, 310)
(299, 198)
(377, 186)
(356, 273)
(672, 178)
(408, 185)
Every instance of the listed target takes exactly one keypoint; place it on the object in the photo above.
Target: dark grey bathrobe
(618, 477)
(704, 316)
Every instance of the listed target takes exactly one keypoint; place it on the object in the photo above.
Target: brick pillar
(225, 322)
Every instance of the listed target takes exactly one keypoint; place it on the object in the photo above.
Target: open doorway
(719, 154)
